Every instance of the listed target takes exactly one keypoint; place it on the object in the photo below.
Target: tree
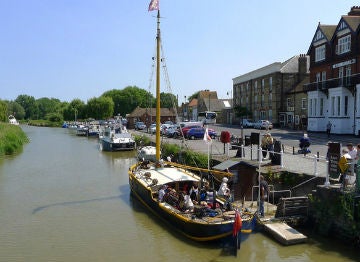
(195, 95)
(14, 108)
(100, 108)
(47, 105)
(168, 100)
(30, 106)
(75, 110)
(3, 109)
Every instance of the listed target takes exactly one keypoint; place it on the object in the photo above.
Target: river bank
(12, 139)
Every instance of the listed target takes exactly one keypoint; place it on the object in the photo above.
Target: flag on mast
(154, 5)
(207, 138)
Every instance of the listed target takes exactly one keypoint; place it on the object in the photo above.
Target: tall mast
(158, 88)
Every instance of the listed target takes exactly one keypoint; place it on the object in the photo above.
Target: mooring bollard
(315, 166)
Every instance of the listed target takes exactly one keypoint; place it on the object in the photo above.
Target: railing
(346, 81)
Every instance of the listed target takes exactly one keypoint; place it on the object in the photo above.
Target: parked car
(152, 129)
(199, 132)
(163, 128)
(187, 128)
(263, 124)
(247, 123)
(140, 125)
(173, 131)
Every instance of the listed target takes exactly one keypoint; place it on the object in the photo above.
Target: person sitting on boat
(189, 205)
(162, 193)
(194, 193)
(224, 191)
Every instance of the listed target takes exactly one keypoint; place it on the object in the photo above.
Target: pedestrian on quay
(264, 192)
(344, 166)
(328, 129)
(357, 181)
(267, 144)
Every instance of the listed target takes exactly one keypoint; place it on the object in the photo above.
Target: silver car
(263, 124)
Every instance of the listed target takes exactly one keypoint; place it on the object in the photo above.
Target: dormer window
(320, 53)
(344, 45)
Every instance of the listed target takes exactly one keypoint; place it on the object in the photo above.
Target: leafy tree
(168, 100)
(195, 95)
(54, 117)
(75, 110)
(30, 106)
(241, 111)
(14, 108)
(3, 109)
(47, 105)
(100, 108)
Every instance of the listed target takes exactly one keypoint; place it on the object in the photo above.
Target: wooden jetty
(285, 234)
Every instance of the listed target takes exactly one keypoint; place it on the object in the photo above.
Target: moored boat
(115, 139)
(12, 120)
(163, 187)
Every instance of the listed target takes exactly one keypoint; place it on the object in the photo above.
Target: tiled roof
(328, 30)
(352, 21)
(193, 102)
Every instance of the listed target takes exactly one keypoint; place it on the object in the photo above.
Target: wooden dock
(285, 234)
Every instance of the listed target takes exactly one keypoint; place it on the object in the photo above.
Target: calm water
(62, 199)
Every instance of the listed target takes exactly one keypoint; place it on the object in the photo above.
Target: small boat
(147, 153)
(82, 130)
(163, 187)
(12, 120)
(116, 139)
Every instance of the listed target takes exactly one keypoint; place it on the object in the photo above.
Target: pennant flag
(154, 5)
(237, 223)
(207, 138)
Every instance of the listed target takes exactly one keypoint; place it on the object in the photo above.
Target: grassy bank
(44, 123)
(12, 138)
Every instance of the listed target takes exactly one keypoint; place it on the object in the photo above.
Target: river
(61, 199)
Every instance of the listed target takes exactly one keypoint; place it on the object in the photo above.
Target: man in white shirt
(352, 151)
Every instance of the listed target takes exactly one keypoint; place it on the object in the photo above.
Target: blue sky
(69, 49)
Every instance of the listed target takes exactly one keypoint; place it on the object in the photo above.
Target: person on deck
(224, 190)
(304, 144)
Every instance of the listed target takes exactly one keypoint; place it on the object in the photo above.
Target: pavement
(291, 160)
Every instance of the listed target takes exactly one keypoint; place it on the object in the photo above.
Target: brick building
(268, 92)
(334, 88)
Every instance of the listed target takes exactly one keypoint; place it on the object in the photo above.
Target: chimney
(303, 64)
(354, 11)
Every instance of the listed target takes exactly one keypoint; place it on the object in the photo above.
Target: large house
(334, 88)
(270, 92)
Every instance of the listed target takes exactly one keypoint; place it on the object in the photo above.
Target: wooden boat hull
(198, 229)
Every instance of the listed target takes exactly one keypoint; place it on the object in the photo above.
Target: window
(289, 119)
(346, 102)
(270, 84)
(347, 74)
(270, 99)
(262, 85)
(323, 78)
(318, 79)
(262, 114)
(303, 103)
(341, 75)
(333, 105)
(310, 107)
(320, 53)
(344, 45)
(321, 106)
(262, 100)
(315, 106)
(338, 105)
(255, 89)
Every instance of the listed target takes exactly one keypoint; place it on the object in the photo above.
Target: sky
(69, 49)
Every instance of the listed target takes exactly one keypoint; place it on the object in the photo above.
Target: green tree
(14, 108)
(3, 110)
(47, 106)
(75, 110)
(168, 100)
(195, 95)
(30, 106)
(100, 108)
(241, 111)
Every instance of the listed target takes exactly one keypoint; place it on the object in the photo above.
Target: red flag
(237, 223)
(154, 5)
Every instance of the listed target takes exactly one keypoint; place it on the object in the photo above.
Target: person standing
(328, 129)
(357, 181)
(267, 144)
(344, 166)
(264, 191)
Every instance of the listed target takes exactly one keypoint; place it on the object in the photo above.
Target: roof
(216, 105)
(226, 164)
(139, 111)
(207, 93)
(193, 102)
(352, 21)
(328, 30)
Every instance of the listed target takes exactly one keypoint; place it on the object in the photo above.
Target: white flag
(207, 138)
